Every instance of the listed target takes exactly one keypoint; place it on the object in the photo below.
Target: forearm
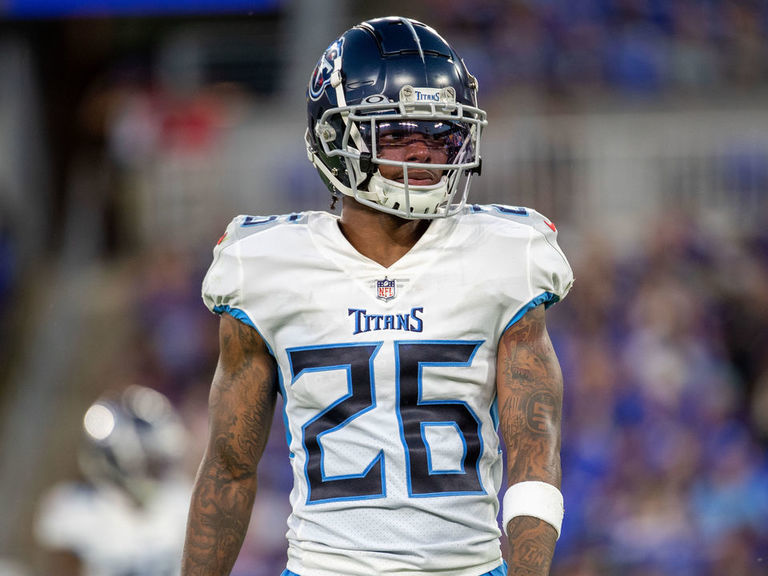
(219, 514)
(531, 540)
(241, 405)
(531, 546)
(529, 386)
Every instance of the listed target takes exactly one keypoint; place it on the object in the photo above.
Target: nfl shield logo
(386, 289)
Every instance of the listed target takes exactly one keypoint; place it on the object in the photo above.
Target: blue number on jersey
(414, 414)
(357, 360)
(501, 209)
(261, 220)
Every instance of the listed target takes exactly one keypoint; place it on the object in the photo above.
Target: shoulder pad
(242, 226)
(521, 214)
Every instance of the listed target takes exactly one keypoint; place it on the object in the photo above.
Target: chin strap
(368, 168)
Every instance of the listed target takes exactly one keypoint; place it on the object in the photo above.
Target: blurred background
(131, 135)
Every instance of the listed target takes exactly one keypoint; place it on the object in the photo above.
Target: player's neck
(384, 238)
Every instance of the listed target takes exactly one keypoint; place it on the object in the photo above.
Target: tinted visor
(450, 136)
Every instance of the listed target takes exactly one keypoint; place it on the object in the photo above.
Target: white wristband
(537, 499)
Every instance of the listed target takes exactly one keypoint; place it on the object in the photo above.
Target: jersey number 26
(413, 412)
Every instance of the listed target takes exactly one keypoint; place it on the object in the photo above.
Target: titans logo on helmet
(321, 77)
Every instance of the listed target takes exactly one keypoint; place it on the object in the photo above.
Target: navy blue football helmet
(389, 78)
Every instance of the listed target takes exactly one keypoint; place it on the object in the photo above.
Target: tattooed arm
(241, 405)
(530, 394)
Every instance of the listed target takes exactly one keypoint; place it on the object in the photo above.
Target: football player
(127, 516)
(401, 335)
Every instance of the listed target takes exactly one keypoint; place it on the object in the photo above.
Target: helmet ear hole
(325, 132)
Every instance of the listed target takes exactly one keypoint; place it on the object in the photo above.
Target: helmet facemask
(359, 139)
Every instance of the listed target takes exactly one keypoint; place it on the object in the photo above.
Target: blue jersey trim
(238, 314)
(500, 571)
(547, 298)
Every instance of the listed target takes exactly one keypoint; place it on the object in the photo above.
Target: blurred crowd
(665, 425)
(7, 263)
(633, 46)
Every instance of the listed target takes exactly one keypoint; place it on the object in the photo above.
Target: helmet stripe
(415, 36)
(336, 78)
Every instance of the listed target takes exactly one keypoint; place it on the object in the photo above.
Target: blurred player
(400, 335)
(127, 517)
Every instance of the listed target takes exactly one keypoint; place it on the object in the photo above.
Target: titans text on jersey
(365, 322)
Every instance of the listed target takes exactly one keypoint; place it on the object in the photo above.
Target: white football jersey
(112, 536)
(388, 377)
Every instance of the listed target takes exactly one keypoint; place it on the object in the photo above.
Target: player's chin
(422, 180)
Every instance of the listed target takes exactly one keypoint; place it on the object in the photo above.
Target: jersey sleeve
(236, 282)
(222, 286)
(548, 274)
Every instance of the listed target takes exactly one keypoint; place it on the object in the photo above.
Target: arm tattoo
(530, 393)
(241, 406)
(530, 399)
(530, 550)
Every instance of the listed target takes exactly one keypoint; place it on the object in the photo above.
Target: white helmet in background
(133, 440)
